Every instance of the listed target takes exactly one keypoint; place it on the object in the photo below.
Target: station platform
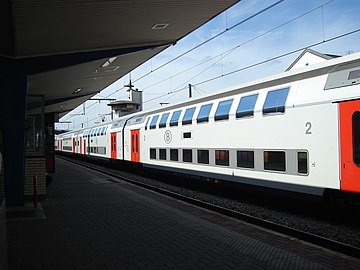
(90, 222)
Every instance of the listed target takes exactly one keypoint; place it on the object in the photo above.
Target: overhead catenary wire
(254, 65)
(264, 61)
(229, 51)
(210, 39)
(176, 91)
(199, 45)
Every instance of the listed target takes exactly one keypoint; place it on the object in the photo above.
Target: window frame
(247, 113)
(177, 154)
(153, 125)
(152, 150)
(270, 109)
(208, 156)
(307, 162)
(188, 116)
(147, 123)
(162, 154)
(183, 155)
(245, 151)
(223, 115)
(175, 122)
(205, 117)
(227, 154)
(163, 120)
(275, 169)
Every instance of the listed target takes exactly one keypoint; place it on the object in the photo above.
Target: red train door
(135, 145)
(74, 145)
(80, 145)
(113, 145)
(350, 145)
(84, 146)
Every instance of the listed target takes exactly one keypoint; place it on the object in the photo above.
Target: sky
(225, 61)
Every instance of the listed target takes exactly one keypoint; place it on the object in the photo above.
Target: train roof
(325, 67)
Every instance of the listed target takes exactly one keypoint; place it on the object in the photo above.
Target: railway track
(296, 233)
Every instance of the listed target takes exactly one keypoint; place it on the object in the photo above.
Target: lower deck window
(162, 154)
(222, 157)
(274, 161)
(203, 156)
(302, 158)
(152, 153)
(174, 154)
(245, 159)
(187, 155)
(356, 137)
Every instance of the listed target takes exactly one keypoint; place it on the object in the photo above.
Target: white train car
(297, 131)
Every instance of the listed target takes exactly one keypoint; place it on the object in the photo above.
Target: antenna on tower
(130, 85)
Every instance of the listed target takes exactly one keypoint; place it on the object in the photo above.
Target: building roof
(309, 57)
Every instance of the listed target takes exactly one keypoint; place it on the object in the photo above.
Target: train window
(204, 112)
(98, 132)
(356, 137)
(245, 159)
(275, 101)
(274, 161)
(154, 121)
(163, 120)
(103, 131)
(302, 158)
(147, 123)
(187, 135)
(246, 106)
(203, 156)
(175, 118)
(174, 154)
(355, 74)
(162, 154)
(187, 119)
(187, 155)
(222, 111)
(222, 157)
(152, 153)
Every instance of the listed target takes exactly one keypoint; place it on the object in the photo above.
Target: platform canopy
(72, 49)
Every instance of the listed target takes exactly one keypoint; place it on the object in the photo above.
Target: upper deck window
(147, 123)
(187, 119)
(204, 112)
(246, 106)
(154, 121)
(275, 101)
(222, 111)
(163, 120)
(175, 118)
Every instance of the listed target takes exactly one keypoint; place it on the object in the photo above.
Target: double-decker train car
(297, 131)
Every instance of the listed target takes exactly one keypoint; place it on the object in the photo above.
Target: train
(296, 131)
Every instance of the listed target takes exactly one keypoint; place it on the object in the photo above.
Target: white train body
(298, 131)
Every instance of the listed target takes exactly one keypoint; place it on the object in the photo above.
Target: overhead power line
(210, 39)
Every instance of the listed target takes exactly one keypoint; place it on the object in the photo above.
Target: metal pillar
(14, 86)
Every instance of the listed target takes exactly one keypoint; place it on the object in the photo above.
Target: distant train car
(297, 131)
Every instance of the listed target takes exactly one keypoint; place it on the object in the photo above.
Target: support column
(14, 86)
